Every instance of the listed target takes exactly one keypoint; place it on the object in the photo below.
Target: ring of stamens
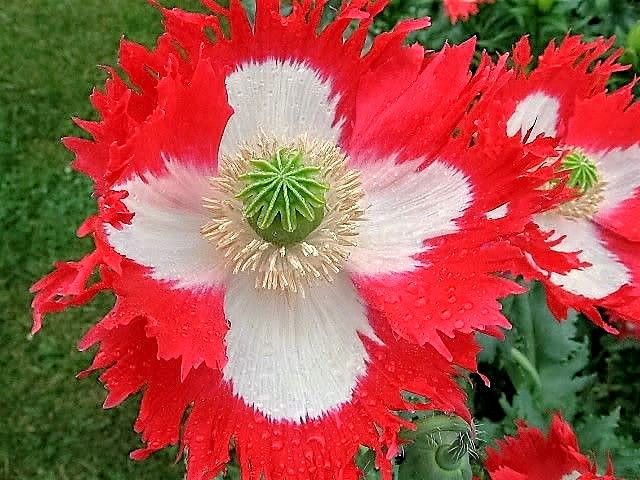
(585, 206)
(321, 255)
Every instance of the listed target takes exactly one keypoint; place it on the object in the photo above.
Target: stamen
(585, 206)
(239, 206)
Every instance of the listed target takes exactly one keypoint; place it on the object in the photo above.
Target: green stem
(525, 325)
(527, 366)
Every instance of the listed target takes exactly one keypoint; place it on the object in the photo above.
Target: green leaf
(549, 366)
(597, 433)
(543, 359)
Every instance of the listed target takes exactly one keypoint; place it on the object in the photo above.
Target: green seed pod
(440, 450)
(583, 170)
(284, 199)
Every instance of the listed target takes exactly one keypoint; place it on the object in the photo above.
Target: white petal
(604, 276)
(165, 231)
(499, 212)
(572, 476)
(403, 208)
(281, 99)
(620, 170)
(294, 357)
(537, 112)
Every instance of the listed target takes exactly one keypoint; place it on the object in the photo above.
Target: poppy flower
(461, 9)
(565, 98)
(530, 455)
(298, 228)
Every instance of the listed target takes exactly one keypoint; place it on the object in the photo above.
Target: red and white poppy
(297, 229)
(530, 455)
(564, 97)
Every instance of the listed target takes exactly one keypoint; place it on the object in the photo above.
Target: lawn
(51, 425)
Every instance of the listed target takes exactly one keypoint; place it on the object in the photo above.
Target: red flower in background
(462, 9)
(296, 231)
(564, 98)
(530, 455)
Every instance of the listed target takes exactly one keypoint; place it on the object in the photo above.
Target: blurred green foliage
(562, 367)
(501, 24)
(52, 427)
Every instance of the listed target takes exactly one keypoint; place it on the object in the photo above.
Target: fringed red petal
(187, 325)
(212, 420)
(531, 455)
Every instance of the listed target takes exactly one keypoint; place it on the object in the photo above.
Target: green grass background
(52, 426)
